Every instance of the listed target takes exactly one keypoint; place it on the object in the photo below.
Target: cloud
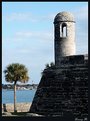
(24, 34)
(40, 35)
(81, 13)
(24, 51)
(49, 17)
(20, 17)
(27, 17)
(81, 18)
(29, 43)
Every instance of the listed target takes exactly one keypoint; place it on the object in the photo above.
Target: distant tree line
(10, 86)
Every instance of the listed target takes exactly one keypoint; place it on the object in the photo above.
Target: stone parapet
(21, 107)
(63, 89)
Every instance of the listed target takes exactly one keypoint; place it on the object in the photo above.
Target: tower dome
(64, 16)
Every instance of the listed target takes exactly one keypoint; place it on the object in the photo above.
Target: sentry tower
(64, 36)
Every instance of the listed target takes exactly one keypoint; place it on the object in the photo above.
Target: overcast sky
(28, 33)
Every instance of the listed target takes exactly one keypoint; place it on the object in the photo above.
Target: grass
(19, 113)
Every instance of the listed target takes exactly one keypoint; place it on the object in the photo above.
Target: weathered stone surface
(63, 88)
(64, 16)
(64, 38)
(21, 107)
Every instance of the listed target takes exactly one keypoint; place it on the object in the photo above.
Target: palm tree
(16, 72)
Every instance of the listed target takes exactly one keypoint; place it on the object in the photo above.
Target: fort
(63, 88)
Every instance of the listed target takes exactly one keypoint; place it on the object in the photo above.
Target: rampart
(21, 107)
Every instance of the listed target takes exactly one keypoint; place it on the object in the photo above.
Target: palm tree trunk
(15, 110)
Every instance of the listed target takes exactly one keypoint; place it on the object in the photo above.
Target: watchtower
(64, 36)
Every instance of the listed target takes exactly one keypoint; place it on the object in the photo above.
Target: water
(21, 96)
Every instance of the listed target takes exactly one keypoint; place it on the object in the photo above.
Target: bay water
(21, 96)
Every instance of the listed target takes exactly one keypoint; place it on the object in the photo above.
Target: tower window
(63, 30)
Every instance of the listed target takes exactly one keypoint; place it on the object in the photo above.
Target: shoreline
(18, 89)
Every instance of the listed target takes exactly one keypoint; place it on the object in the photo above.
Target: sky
(28, 33)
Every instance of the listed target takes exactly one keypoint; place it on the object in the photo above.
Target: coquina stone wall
(64, 44)
(63, 89)
(21, 107)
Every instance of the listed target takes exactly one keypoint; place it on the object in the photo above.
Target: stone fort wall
(63, 89)
(21, 107)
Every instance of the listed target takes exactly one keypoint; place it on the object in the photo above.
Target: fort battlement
(63, 88)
